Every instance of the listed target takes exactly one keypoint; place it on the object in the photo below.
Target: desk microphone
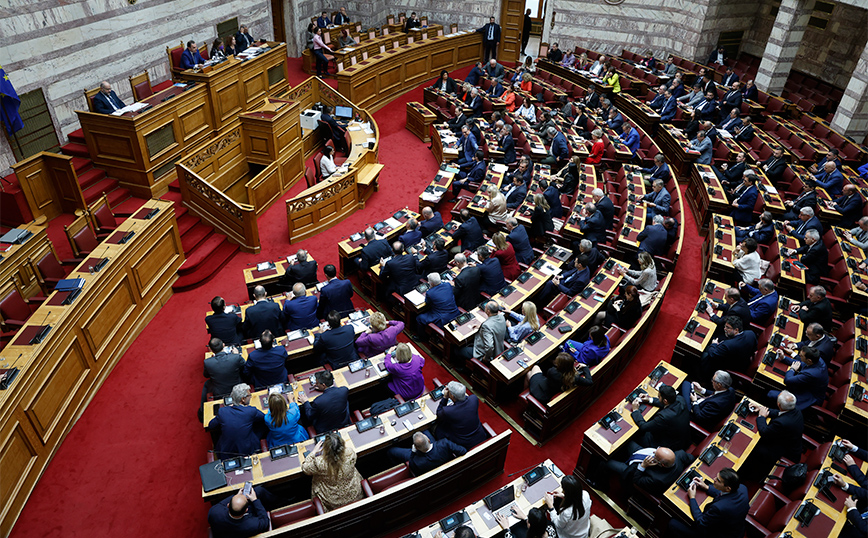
(102, 260)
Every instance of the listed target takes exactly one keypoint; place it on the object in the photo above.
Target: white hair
(786, 400)
(457, 391)
(597, 193)
(434, 279)
(239, 392)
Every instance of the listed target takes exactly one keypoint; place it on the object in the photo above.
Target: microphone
(522, 471)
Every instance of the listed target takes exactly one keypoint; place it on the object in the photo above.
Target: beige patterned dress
(336, 490)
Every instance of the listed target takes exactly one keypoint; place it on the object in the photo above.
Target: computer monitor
(343, 112)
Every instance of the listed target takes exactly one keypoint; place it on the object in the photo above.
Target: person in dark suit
(816, 337)
(304, 271)
(475, 105)
(266, 366)
(744, 198)
(733, 305)
(475, 74)
(541, 219)
(806, 378)
(669, 427)
(652, 239)
(457, 123)
(780, 434)
(458, 417)
(300, 310)
(807, 198)
(658, 200)
(235, 426)
(709, 406)
(656, 104)
(595, 257)
(732, 99)
(426, 455)
(849, 204)
(515, 193)
(814, 255)
(830, 179)
(466, 283)
(336, 346)
(593, 224)
(440, 303)
(490, 39)
(240, 516)
(762, 301)
(734, 352)
(341, 17)
(411, 22)
(490, 272)
(605, 206)
(525, 30)
(671, 227)
(445, 83)
(375, 250)
(669, 108)
(222, 371)
(399, 273)
(750, 91)
(763, 231)
(815, 309)
(469, 233)
(652, 470)
(471, 178)
(570, 282)
(331, 409)
(857, 500)
(432, 221)
(412, 236)
(519, 240)
(336, 295)
(723, 517)
(323, 21)
(243, 39)
(436, 261)
(507, 144)
(225, 326)
(660, 170)
(337, 130)
(744, 132)
(106, 100)
(774, 166)
(731, 123)
(191, 58)
(262, 315)
(553, 197)
(731, 174)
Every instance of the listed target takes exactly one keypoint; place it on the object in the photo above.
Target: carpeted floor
(129, 466)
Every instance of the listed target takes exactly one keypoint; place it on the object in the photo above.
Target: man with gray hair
(762, 301)
(458, 417)
(106, 100)
(594, 256)
(780, 434)
(263, 315)
(426, 455)
(814, 255)
(806, 221)
(439, 302)
(559, 151)
(652, 239)
(518, 238)
(488, 342)
(299, 311)
(709, 406)
(592, 225)
(858, 235)
(235, 426)
(377, 248)
(815, 309)
(303, 270)
(658, 199)
(605, 207)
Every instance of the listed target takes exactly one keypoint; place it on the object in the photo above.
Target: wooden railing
(322, 206)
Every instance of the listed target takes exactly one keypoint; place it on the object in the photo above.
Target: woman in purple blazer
(381, 336)
(407, 380)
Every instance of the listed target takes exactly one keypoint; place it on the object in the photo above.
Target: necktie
(802, 227)
(491, 32)
(112, 102)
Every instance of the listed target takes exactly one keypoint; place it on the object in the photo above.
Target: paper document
(415, 297)
(354, 128)
(499, 168)
(393, 222)
(550, 269)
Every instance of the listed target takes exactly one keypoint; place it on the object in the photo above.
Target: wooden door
(511, 20)
(277, 21)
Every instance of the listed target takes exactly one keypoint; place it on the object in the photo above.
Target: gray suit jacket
(488, 342)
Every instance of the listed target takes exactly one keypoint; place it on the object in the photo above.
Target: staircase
(199, 240)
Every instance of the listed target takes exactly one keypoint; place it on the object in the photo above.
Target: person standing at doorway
(525, 32)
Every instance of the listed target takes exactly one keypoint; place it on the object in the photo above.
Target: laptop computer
(499, 499)
(212, 476)
(450, 523)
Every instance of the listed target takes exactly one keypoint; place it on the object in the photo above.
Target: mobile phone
(248, 488)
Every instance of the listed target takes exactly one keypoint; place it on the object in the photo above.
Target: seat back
(317, 159)
(390, 477)
(174, 54)
(80, 236)
(101, 214)
(292, 513)
(141, 86)
(309, 177)
(13, 306)
(88, 97)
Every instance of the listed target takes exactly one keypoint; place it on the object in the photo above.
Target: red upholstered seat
(309, 176)
(49, 271)
(105, 219)
(295, 512)
(85, 241)
(389, 478)
(176, 57)
(14, 310)
(317, 159)
(143, 90)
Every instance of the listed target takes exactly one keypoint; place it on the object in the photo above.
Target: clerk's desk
(140, 148)
(60, 376)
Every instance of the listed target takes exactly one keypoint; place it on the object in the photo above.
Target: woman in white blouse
(646, 279)
(327, 164)
(747, 261)
(572, 519)
(527, 111)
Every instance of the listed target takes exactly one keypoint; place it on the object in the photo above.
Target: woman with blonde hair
(541, 220)
(505, 253)
(332, 466)
(497, 210)
(282, 421)
(405, 368)
(381, 336)
(583, 63)
(521, 325)
(526, 82)
(644, 279)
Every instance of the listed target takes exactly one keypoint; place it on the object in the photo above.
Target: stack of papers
(354, 128)
(431, 196)
(393, 222)
(415, 297)
(550, 269)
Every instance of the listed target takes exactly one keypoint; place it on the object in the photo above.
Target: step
(105, 185)
(76, 150)
(128, 206)
(217, 258)
(180, 210)
(195, 235)
(197, 257)
(172, 196)
(118, 196)
(186, 222)
(77, 136)
(175, 186)
(90, 177)
(81, 165)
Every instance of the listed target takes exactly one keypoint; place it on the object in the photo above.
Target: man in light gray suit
(488, 342)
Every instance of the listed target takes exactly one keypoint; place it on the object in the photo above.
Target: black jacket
(336, 346)
(261, 316)
(467, 288)
(820, 312)
(329, 411)
(373, 252)
(400, 273)
(781, 436)
(304, 272)
(669, 427)
(226, 327)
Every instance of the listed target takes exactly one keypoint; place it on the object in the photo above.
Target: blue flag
(9, 103)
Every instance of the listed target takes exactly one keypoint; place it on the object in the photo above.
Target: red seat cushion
(389, 478)
(84, 240)
(176, 57)
(143, 91)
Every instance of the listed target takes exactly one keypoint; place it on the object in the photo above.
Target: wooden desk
(719, 251)
(791, 281)
(588, 182)
(690, 344)
(771, 376)
(374, 82)
(268, 278)
(705, 196)
(858, 256)
(349, 249)
(444, 144)
(419, 120)
(856, 411)
(676, 146)
(14, 260)
(440, 185)
(59, 377)
(637, 110)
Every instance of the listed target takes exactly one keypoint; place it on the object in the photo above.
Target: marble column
(783, 45)
(851, 118)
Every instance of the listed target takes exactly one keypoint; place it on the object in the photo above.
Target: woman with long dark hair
(572, 519)
(282, 421)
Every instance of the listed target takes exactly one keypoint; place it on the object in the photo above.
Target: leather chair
(761, 511)
(141, 86)
(88, 97)
(296, 512)
(101, 217)
(15, 309)
(387, 479)
(48, 270)
(174, 54)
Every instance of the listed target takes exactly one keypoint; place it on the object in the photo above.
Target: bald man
(650, 469)
(426, 454)
(240, 516)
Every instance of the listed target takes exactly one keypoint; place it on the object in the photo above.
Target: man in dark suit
(525, 30)
(262, 315)
(375, 250)
(660, 170)
(515, 193)
(191, 58)
(445, 83)
(652, 470)
(467, 283)
(432, 221)
(436, 261)
(762, 301)
(471, 178)
(830, 179)
(570, 282)
(223, 325)
(762, 232)
(780, 434)
(458, 417)
(490, 272)
(605, 206)
(223, 370)
(815, 309)
(806, 378)
(659, 98)
(849, 204)
(745, 131)
(412, 236)
(814, 255)
(399, 273)
(730, 174)
(300, 310)
(816, 337)
(411, 22)
(323, 21)
(341, 17)
(595, 257)
(243, 39)
(733, 305)
(730, 79)
(553, 197)
(336, 295)
(507, 144)
(336, 346)
(658, 200)
(731, 123)
(469, 233)
(723, 517)
(266, 366)
(235, 426)
(669, 427)
(439, 302)
(426, 455)
(331, 409)
(669, 108)
(475, 74)
(731, 100)
(517, 237)
(303, 270)
(593, 224)
(239, 516)
(652, 239)
(106, 100)
(774, 166)
(336, 129)
(671, 227)
(744, 199)
(807, 198)
(709, 406)
(475, 105)
(490, 39)
(457, 123)
(806, 221)
(734, 352)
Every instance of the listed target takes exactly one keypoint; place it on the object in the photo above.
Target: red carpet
(128, 467)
